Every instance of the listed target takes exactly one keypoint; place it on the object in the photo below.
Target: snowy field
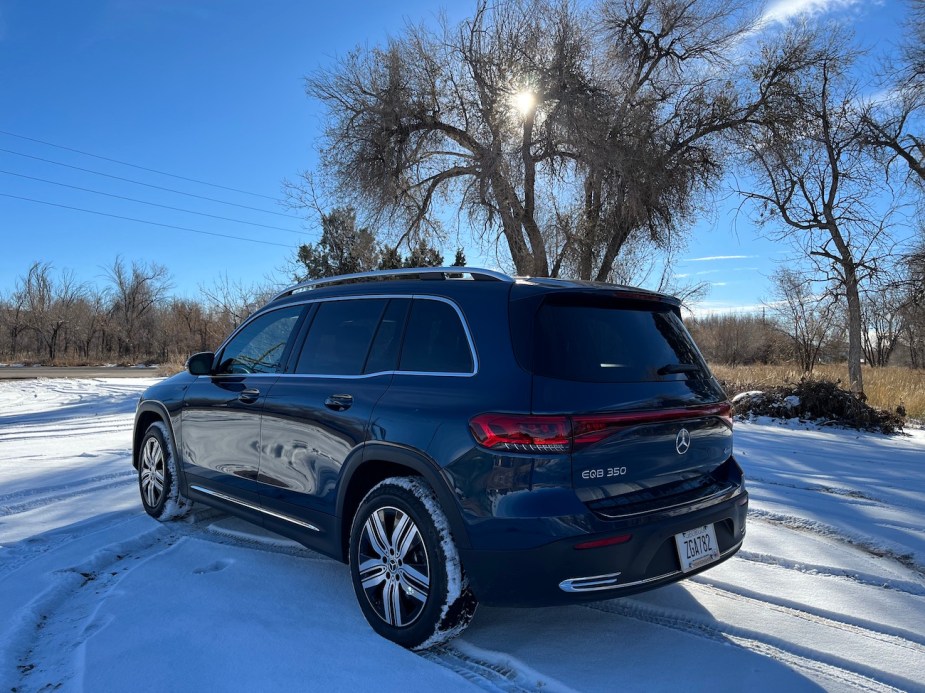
(828, 592)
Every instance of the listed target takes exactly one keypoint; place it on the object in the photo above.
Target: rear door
(314, 418)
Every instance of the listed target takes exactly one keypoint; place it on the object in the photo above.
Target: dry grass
(886, 388)
(172, 367)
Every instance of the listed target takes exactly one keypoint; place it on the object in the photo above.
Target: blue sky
(213, 91)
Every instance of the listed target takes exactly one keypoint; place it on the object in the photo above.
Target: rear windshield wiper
(678, 368)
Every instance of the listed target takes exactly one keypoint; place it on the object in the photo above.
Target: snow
(828, 592)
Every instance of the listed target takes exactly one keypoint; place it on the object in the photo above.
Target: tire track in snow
(75, 429)
(867, 579)
(490, 671)
(912, 642)
(60, 619)
(801, 524)
(832, 669)
(24, 501)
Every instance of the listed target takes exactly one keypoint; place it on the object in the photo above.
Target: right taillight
(522, 432)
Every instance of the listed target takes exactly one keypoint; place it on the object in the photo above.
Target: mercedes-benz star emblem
(683, 442)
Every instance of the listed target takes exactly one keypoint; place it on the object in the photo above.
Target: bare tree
(895, 123)
(807, 318)
(135, 292)
(883, 316)
(567, 130)
(48, 304)
(816, 185)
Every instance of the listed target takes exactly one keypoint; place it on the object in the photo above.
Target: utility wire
(141, 168)
(144, 202)
(149, 185)
(144, 221)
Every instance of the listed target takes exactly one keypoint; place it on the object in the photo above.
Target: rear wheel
(157, 476)
(405, 568)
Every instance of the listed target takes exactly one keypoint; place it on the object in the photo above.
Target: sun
(525, 102)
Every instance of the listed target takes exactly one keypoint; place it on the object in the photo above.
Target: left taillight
(522, 432)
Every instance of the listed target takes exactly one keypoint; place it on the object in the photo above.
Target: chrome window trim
(251, 506)
(308, 301)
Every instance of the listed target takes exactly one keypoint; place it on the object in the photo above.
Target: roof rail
(408, 272)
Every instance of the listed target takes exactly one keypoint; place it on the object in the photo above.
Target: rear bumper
(558, 573)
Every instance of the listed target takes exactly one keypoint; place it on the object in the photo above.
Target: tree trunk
(855, 376)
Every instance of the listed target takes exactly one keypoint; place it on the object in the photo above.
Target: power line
(145, 202)
(149, 185)
(144, 221)
(141, 168)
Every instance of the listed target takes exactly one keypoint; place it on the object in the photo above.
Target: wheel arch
(148, 413)
(380, 461)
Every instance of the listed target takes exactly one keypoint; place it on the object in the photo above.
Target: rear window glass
(607, 343)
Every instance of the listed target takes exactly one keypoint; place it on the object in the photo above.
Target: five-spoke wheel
(405, 567)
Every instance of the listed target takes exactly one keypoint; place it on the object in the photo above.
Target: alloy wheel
(394, 567)
(152, 471)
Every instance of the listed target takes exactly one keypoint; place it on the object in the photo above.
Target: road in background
(30, 372)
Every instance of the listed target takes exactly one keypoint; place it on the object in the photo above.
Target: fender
(375, 451)
(156, 407)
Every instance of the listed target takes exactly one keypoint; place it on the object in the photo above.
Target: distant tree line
(50, 317)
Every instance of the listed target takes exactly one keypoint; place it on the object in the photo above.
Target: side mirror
(201, 363)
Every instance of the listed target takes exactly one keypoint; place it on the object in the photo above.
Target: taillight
(541, 433)
(522, 432)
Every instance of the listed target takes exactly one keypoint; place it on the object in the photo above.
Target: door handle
(249, 396)
(339, 402)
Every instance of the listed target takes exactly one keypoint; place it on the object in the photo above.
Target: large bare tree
(816, 185)
(563, 131)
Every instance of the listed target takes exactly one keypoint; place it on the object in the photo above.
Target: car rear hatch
(647, 425)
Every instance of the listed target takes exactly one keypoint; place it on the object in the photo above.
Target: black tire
(405, 567)
(157, 476)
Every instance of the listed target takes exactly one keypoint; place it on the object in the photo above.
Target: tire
(157, 476)
(405, 567)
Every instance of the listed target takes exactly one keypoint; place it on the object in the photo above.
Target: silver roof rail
(474, 273)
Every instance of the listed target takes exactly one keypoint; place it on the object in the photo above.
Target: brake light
(554, 433)
(521, 432)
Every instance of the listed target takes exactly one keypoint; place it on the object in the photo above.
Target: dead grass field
(886, 388)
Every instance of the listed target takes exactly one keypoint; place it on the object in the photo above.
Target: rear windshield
(599, 341)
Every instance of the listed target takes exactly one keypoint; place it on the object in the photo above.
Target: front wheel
(405, 568)
(157, 476)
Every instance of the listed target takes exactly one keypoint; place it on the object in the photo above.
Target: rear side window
(339, 338)
(435, 340)
(603, 342)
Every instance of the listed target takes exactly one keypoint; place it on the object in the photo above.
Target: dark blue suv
(458, 436)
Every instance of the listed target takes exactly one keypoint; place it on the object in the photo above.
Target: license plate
(697, 547)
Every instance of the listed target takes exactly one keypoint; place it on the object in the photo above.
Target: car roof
(450, 280)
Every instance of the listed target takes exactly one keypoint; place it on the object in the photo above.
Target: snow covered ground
(828, 592)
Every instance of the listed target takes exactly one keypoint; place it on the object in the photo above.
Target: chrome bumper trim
(596, 583)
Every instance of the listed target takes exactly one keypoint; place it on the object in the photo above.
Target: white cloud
(711, 258)
(783, 11)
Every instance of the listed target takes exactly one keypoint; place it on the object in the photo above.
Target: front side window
(260, 345)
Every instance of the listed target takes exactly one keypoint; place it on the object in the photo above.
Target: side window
(383, 355)
(259, 346)
(435, 341)
(339, 337)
